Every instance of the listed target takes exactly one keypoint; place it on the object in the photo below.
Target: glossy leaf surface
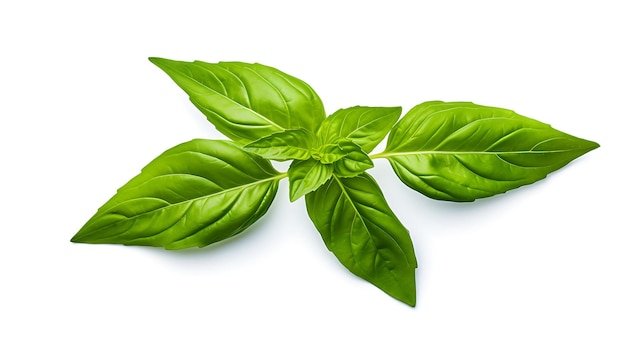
(192, 195)
(306, 176)
(358, 226)
(460, 151)
(246, 101)
(288, 145)
(364, 126)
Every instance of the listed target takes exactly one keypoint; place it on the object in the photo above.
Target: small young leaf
(460, 151)
(246, 101)
(293, 144)
(364, 126)
(306, 176)
(358, 226)
(348, 158)
(354, 162)
(330, 153)
(194, 194)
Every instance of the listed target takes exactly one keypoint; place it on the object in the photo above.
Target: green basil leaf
(245, 101)
(194, 194)
(358, 226)
(293, 144)
(306, 176)
(365, 126)
(461, 151)
(354, 162)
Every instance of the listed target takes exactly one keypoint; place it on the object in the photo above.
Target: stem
(378, 155)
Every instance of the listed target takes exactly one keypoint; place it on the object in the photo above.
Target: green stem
(378, 155)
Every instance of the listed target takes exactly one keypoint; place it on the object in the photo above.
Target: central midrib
(436, 152)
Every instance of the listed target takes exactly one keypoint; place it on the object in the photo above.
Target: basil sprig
(204, 191)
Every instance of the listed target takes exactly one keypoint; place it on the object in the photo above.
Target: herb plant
(203, 191)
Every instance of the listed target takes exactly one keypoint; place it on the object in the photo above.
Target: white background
(82, 110)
